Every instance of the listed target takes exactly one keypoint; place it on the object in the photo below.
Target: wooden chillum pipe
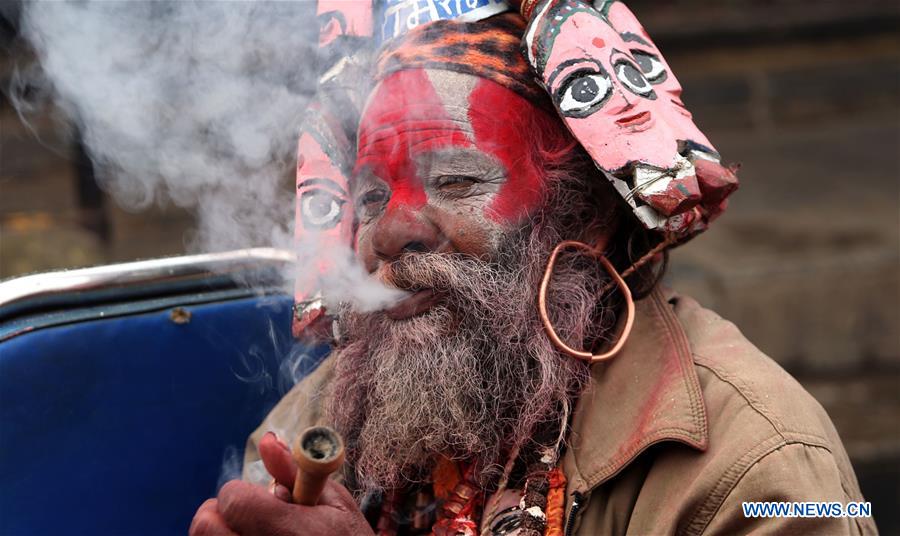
(319, 451)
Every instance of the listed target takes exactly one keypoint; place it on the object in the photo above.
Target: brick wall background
(804, 94)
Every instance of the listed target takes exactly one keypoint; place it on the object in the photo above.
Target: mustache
(444, 272)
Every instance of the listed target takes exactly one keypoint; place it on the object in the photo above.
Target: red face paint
(406, 118)
(505, 125)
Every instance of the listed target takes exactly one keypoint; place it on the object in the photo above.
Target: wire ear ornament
(596, 252)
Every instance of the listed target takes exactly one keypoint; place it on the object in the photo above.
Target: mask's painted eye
(583, 93)
(650, 65)
(320, 209)
(632, 78)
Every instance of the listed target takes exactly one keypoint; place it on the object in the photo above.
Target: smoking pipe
(319, 452)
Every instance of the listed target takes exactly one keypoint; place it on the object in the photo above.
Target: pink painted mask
(324, 156)
(618, 96)
(340, 18)
(323, 211)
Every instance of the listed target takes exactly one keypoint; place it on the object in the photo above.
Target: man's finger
(250, 509)
(336, 495)
(276, 456)
(208, 522)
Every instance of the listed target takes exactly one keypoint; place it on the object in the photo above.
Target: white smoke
(197, 103)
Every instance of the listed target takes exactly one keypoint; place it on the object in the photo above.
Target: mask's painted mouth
(416, 304)
(634, 120)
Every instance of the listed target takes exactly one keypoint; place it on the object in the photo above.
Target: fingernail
(282, 443)
(278, 440)
(281, 492)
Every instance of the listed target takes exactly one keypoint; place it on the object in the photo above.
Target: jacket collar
(647, 394)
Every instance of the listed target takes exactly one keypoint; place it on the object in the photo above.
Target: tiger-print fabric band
(489, 48)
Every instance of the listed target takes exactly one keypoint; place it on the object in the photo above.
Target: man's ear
(600, 234)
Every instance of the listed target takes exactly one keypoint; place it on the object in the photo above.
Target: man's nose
(404, 230)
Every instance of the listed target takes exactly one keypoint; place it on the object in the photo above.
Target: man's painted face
(616, 93)
(444, 164)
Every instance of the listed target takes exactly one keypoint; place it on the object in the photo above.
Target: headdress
(606, 79)
(490, 49)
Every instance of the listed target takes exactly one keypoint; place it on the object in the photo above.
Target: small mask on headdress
(617, 95)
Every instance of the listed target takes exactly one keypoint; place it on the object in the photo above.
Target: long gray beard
(473, 378)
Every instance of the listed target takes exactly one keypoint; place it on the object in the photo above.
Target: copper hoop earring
(597, 253)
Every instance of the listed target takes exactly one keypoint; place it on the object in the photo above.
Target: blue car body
(126, 402)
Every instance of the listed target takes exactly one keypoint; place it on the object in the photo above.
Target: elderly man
(472, 406)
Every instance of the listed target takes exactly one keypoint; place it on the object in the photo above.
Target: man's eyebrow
(629, 36)
(462, 161)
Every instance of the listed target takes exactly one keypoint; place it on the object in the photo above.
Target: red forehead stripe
(406, 117)
(506, 126)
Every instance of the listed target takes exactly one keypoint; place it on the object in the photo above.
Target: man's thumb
(276, 456)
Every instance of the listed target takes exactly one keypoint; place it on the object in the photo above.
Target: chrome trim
(187, 267)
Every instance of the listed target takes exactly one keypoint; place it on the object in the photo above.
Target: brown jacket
(685, 424)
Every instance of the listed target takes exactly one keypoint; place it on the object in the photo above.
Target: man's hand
(248, 510)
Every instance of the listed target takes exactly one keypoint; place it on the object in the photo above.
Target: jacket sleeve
(796, 472)
(300, 408)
